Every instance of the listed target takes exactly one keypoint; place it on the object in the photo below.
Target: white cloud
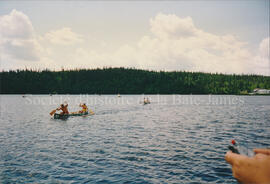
(16, 25)
(170, 26)
(264, 47)
(20, 49)
(63, 36)
(175, 44)
(187, 47)
(17, 38)
(20, 45)
(261, 62)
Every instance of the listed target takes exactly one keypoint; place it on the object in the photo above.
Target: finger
(232, 158)
(229, 157)
(263, 151)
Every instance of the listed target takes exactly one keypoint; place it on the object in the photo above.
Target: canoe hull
(145, 103)
(66, 116)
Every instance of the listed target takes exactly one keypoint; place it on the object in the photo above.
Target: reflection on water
(175, 139)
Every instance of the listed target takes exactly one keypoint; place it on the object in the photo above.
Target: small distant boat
(146, 102)
(66, 116)
(119, 95)
(23, 96)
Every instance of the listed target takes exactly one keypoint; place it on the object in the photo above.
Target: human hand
(251, 170)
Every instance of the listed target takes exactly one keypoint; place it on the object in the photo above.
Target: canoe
(66, 116)
(144, 103)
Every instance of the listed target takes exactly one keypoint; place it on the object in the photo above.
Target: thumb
(262, 151)
(233, 158)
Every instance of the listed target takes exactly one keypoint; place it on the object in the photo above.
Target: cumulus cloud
(264, 47)
(22, 49)
(171, 26)
(63, 36)
(17, 38)
(261, 62)
(177, 44)
(16, 25)
(187, 47)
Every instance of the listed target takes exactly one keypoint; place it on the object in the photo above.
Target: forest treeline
(126, 81)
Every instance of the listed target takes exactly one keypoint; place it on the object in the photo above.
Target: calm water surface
(175, 139)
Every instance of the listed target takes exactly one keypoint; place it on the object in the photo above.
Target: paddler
(63, 108)
(146, 101)
(84, 108)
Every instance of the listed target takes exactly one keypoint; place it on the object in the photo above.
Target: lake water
(175, 139)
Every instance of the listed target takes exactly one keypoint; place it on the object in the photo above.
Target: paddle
(51, 113)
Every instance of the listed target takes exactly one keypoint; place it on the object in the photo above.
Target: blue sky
(112, 33)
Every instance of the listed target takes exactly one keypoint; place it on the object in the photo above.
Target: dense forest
(126, 81)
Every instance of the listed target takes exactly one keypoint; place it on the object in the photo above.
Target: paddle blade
(51, 113)
(91, 112)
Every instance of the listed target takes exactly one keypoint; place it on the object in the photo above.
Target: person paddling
(63, 108)
(84, 108)
(146, 101)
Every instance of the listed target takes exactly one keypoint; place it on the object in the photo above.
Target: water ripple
(169, 143)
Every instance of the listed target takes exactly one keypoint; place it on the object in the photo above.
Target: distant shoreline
(128, 81)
